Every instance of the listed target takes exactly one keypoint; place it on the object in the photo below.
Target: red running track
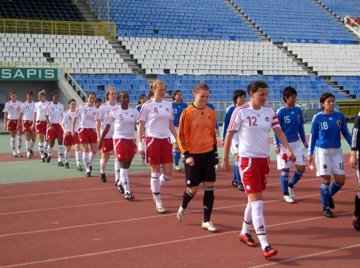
(83, 222)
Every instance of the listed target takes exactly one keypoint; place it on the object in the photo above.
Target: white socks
(155, 188)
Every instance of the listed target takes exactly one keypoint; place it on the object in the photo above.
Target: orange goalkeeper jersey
(196, 133)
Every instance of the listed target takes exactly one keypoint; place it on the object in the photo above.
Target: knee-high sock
(41, 149)
(28, 146)
(155, 188)
(117, 170)
(91, 157)
(19, 143)
(324, 193)
(284, 177)
(257, 212)
(334, 188)
(295, 178)
(124, 178)
(32, 144)
(103, 163)
(66, 156)
(49, 151)
(164, 179)
(247, 219)
(176, 156)
(46, 145)
(78, 158)
(357, 205)
(187, 197)
(60, 153)
(13, 144)
(86, 161)
(208, 202)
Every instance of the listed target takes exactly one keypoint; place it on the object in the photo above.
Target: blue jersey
(292, 123)
(229, 112)
(326, 129)
(178, 108)
(212, 107)
(138, 107)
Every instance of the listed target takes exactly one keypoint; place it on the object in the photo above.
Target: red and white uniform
(66, 122)
(54, 112)
(27, 111)
(86, 117)
(124, 122)
(13, 110)
(157, 117)
(39, 109)
(102, 113)
(253, 127)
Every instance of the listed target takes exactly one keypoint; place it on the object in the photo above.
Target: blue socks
(334, 188)
(284, 176)
(295, 178)
(176, 156)
(324, 193)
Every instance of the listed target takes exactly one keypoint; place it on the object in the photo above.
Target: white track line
(144, 218)
(174, 242)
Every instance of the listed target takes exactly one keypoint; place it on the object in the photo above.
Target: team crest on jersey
(325, 166)
(167, 109)
(267, 119)
(338, 122)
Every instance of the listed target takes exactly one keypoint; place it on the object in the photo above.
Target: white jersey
(54, 112)
(253, 127)
(67, 121)
(13, 109)
(86, 116)
(157, 117)
(39, 109)
(27, 110)
(102, 113)
(125, 122)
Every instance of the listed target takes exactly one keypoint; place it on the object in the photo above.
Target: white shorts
(298, 150)
(329, 161)
(234, 148)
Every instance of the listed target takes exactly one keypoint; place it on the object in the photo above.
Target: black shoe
(331, 203)
(234, 183)
(48, 159)
(90, 168)
(79, 168)
(128, 196)
(241, 187)
(328, 213)
(45, 155)
(60, 164)
(67, 165)
(28, 156)
(43, 159)
(120, 188)
(103, 177)
(88, 174)
(31, 152)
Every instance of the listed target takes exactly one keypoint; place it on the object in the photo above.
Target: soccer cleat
(241, 187)
(88, 174)
(160, 209)
(180, 214)
(31, 152)
(103, 177)
(60, 164)
(67, 165)
(288, 199)
(269, 252)
(19, 155)
(356, 222)
(90, 168)
(14, 154)
(43, 159)
(120, 188)
(291, 192)
(48, 159)
(80, 168)
(28, 155)
(177, 168)
(128, 196)
(247, 239)
(234, 183)
(209, 226)
(45, 155)
(331, 202)
(328, 213)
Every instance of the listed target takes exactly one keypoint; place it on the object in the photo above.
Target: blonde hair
(110, 88)
(199, 86)
(42, 93)
(156, 84)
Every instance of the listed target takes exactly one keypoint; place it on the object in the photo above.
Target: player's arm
(5, 119)
(47, 117)
(74, 120)
(172, 128)
(105, 131)
(301, 130)
(225, 124)
(227, 143)
(283, 139)
(314, 134)
(355, 142)
(345, 131)
(98, 123)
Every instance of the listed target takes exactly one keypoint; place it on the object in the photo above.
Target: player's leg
(338, 169)
(19, 139)
(51, 136)
(60, 139)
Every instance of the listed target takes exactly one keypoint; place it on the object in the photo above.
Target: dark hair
(12, 93)
(238, 93)
(288, 92)
(54, 93)
(30, 93)
(140, 97)
(175, 93)
(325, 96)
(255, 85)
(201, 85)
(70, 101)
(98, 100)
(91, 93)
(121, 93)
(150, 95)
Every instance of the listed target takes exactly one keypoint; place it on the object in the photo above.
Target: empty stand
(343, 8)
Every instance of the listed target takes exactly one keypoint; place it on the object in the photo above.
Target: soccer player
(178, 106)
(142, 100)
(70, 140)
(11, 115)
(239, 98)
(124, 120)
(107, 142)
(292, 123)
(157, 114)
(98, 103)
(53, 115)
(26, 118)
(326, 128)
(87, 133)
(39, 123)
(197, 141)
(355, 163)
(253, 122)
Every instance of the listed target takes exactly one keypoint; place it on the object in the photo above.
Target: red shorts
(69, 140)
(107, 145)
(56, 132)
(87, 136)
(158, 151)
(125, 149)
(40, 127)
(26, 125)
(12, 125)
(254, 173)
